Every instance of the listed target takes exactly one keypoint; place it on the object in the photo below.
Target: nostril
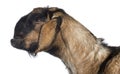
(12, 41)
(17, 43)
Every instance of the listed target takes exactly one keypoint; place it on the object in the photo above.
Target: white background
(101, 17)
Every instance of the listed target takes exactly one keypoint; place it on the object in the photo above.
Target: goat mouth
(32, 49)
(20, 44)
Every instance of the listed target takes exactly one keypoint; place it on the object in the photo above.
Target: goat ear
(48, 33)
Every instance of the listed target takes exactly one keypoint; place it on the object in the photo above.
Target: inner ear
(48, 33)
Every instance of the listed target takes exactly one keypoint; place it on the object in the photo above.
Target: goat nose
(13, 42)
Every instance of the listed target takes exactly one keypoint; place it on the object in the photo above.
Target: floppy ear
(48, 33)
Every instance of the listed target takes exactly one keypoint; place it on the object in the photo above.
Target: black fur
(19, 31)
(59, 22)
(38, 16)
(27, 23)
(18, 43)
(33, 48)
(53, 51)
(114, 51)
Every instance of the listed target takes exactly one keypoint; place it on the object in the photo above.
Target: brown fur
(76, 46)
(113, 66)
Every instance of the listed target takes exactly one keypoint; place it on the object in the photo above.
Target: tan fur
(113, 66)
(78, 48)
(81, 54)
(47, 34)
(31, 37)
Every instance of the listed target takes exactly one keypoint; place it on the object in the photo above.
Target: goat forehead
(41, 9)
(37, 10)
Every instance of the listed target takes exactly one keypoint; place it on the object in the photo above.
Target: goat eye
(40, 18)
(19, 35)
(43, 18)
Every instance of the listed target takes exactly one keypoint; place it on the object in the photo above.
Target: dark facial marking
(26, 24)
(19, 28)
(36, 17)
(18, 43)
(53, 50)
(114, 51)
(59, 22)
(33, 47)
